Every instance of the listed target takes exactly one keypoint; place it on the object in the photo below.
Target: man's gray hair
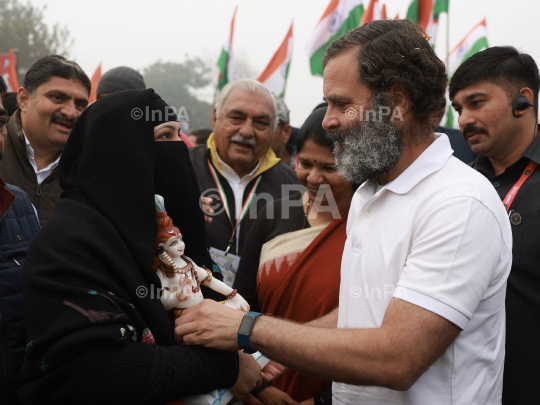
(283, 111)
(251, 86)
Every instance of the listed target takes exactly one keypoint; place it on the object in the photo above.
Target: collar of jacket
(268, 160)
(16, 138)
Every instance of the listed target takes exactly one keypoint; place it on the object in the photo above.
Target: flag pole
(448, 109)
(448, 34)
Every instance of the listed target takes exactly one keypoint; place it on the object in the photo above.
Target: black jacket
(219, 231)
(17, 170)
(18, 226)
(521, 381)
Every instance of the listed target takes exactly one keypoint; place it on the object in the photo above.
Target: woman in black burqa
(97, 331)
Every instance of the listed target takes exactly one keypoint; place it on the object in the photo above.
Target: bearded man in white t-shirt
(421, 317)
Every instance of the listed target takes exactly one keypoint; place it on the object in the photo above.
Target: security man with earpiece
(495, 93)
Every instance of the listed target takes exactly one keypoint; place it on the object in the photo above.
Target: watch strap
(243, 339)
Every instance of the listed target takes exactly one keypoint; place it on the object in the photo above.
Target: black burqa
(91, 297)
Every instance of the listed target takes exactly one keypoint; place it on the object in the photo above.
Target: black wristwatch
(244, 331)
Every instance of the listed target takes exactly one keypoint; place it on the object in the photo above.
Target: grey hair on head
(283, 111)
(249, 85)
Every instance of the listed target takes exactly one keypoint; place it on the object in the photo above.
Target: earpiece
(520, 103)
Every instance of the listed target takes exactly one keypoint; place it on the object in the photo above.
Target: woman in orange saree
(291, 262)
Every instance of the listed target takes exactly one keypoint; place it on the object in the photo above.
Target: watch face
(245, 326)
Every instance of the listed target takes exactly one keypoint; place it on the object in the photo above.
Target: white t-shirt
(437, 237)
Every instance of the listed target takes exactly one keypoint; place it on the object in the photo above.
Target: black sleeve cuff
(181, 371)
(163, 374)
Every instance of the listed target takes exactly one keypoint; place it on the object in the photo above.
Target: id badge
(227, 263)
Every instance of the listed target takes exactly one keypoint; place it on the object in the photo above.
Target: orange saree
(298, 279)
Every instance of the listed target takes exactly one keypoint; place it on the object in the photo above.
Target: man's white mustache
(246, 141)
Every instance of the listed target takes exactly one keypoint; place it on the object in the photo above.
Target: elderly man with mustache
(237, 167)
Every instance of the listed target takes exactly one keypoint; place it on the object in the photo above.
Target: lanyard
(225, 203)
(514, 190)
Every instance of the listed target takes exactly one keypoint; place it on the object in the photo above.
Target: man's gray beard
(366, 149)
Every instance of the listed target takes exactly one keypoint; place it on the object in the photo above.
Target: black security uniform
(522, 362)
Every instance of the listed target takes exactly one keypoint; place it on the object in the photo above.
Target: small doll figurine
(181, 279)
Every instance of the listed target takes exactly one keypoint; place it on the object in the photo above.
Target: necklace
(183, 271)
(305, 217)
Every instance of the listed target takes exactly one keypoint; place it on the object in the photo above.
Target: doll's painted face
(175, 246)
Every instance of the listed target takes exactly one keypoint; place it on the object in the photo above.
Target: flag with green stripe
(339, 17)
(225, 58)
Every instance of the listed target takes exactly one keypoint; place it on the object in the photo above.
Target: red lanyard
(514, 190)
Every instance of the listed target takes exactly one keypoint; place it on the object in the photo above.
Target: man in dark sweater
(237, 166)
(18, 226)
(54, 94)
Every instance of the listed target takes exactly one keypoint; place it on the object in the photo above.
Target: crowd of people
(384, 259)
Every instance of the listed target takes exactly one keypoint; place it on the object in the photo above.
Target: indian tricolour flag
(475, 41)
(426, 14)
(340, 16)
(225, 58)
(274, 77)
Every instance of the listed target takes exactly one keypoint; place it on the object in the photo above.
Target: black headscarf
(112, 159)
